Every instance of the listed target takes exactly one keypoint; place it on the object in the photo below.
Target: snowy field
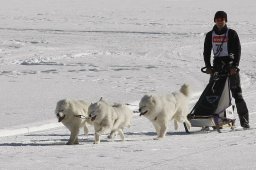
(118, 50)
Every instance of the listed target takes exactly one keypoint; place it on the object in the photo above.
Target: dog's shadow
(54, 134)
(14, 144)
(154, 133)
(53, 140)
(140, 133)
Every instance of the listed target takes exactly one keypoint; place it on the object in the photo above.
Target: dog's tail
(185, 89)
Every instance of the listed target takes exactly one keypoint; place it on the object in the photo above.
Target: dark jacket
(234, 45)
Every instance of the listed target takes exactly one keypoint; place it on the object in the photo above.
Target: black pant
(222, 65)
(241, 106)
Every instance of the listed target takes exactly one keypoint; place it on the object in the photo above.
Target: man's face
(220, 22)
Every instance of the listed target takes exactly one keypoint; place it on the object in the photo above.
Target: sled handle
(237, 69)
(204, 69)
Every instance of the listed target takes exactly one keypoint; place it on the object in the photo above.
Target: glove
(209, 70)
(233, 71)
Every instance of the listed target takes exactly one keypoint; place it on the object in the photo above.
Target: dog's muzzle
(60, 116)
(92, 116)
(142, 113)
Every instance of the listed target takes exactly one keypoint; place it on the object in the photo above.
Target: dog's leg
(163, 129)
(112, 134)
(97, 138)
(175, 124)
(100, 132)
(116, 124)
(114, 130)
(73, 136)
(121, 133)
(76, 141)
(187, 123)
(96, 135)
(86, 130)
(157, 127)
(103, 130)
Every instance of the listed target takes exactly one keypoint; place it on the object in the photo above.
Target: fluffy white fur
(74, 115)
(160, 109)
(107, 118)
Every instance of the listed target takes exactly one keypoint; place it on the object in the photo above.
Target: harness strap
(81, 116)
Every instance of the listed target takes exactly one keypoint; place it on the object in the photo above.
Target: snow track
(28, 129)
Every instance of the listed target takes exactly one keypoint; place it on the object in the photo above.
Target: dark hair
(221, 14)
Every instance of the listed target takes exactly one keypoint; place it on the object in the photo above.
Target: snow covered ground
(119, 50)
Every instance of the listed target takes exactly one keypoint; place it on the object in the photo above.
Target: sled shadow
(141, 133)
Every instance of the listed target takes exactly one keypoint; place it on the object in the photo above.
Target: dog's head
(147, 105)
(61, 106)
(96, 110)
(93, 111)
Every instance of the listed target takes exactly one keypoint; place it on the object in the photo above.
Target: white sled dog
(74, 115)
(107, 118)
(160, 109)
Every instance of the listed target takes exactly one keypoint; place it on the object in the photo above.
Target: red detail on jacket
(219, 39)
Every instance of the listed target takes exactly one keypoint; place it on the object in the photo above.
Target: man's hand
(209, 70)
(233, 71)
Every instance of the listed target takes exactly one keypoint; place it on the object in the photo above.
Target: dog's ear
(68, 103)
(63, 102)
(152, 99)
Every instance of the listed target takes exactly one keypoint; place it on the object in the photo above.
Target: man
(225, 44)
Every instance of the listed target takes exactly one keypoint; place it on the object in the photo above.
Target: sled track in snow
(86, 31)
(62, 31)
(29, 129)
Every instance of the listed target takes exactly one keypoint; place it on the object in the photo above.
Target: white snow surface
(118, 50)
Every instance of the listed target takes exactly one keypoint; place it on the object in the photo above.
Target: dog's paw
(71, 143)
(158, 138)
(98, 133)
(96, 142)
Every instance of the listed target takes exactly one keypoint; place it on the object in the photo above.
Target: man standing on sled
(225, 44)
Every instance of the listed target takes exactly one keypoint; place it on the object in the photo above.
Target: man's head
(221, 15)
(220, 19)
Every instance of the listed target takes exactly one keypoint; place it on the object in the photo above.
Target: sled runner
(214, 107)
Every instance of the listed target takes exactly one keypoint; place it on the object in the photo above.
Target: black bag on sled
(214, 108)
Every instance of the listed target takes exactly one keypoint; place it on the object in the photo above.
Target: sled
(214, 108)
